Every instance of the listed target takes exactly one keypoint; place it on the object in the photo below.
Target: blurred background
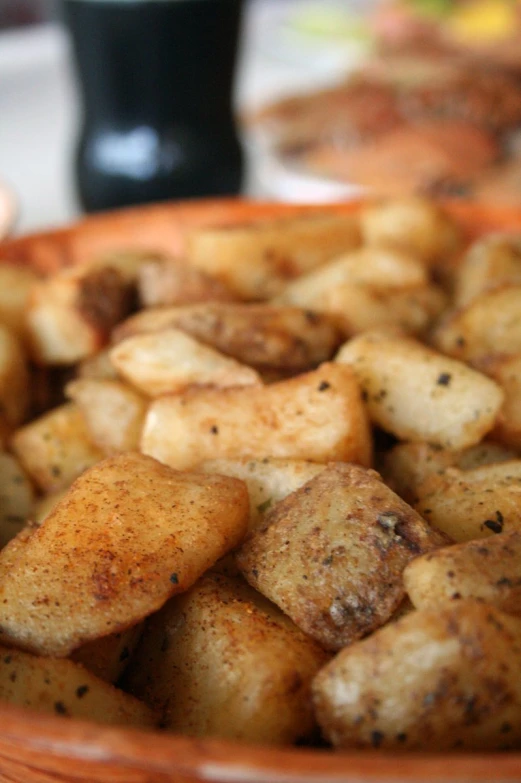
(333, 98)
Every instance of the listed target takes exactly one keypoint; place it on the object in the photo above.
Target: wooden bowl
(36, 748)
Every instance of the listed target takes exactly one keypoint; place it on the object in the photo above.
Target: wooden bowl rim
(48, 741)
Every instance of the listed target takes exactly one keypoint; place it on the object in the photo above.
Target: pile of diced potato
(269, 491)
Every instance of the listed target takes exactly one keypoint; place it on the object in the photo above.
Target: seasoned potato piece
(448, 679)
(492, 261)
(318, 416)
(359, 306)
(113, 411)
(15, 285)
(506, 371)
(169, 361)
(61, 687)
(331, 555)
(490, 324)
(170, 281)
(488, 571)
(149, 533)
(56, 448)
(473, 503)
(14, 378)
(413, 225)
(109, 656)
(268, 480)
(418, 394)
(379, 267)
(263, 336)
(45, 505)
(222, 661)
(16, 498)
(407, 465)
(71, 314)
(256, 260)
(97, 366)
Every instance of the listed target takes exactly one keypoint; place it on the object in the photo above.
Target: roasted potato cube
(489, 325)
(268, 480)
(148, 534)
(331, 555)
(171, 281)
(70, 315)
(16, 498)
(61, 687)
(222, 661)
(109, 656)
(492, 261)
(262, 336)
(56, 448)
(407, 465)
(446, 679)
(14, 379)
(377, 267)
(417, 394)
(506, 371)
(255, 261)
(473, 503)
(15, 285)
(169, 361)
(45, 505)
(487, 571)
(114, 413)
(97, 366)
(358, 306)
(318, 416)
(413, 225)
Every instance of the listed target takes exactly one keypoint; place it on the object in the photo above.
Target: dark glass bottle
(156, 78)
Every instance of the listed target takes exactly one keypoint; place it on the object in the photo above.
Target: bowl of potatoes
(261, 495)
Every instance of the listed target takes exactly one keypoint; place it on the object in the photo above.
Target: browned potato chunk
(148, 533)
(15, 286)
(358, 306)
(413, 225)
(222, 661)
(113, 411)
(318, 416)
(171, 281)
(16, 498)
(407, 465)
(492, 261)
(14, 379)
(473, 503)
(97, 366)
(420, 395)
(268, 480)
(56, 448)
(169, 361)
(490, 324)
(447, 679)
(255, 261)
(488, 571)
(71, 314)
(109, 656)
(45, 505)
(506, 371)
(378, 267)
(61, 687)
(262, 336)
(331, 555)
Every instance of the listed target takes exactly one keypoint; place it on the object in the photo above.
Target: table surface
(39, 108)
